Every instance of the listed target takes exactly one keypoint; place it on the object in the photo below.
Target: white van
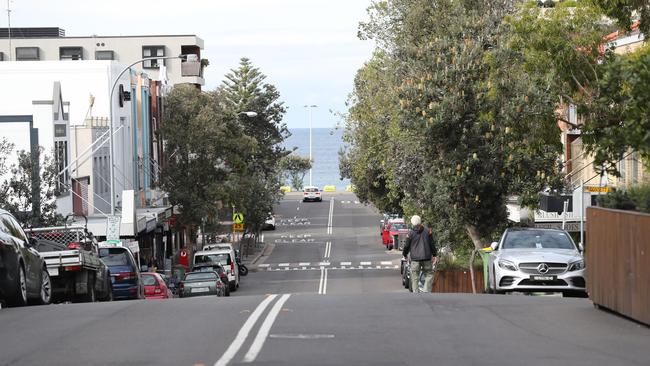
(226, 258)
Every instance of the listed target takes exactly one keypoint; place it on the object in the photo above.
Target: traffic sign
(238, 218)
(113, 227)
(237, 227)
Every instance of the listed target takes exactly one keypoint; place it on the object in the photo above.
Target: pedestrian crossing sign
(238, 218)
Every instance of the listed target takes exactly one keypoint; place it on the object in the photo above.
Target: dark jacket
(420, 244)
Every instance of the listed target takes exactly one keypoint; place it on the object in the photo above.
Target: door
(30, 256)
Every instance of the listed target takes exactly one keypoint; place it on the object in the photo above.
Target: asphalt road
(288, 316)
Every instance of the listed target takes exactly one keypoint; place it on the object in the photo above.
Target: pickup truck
(76, 272)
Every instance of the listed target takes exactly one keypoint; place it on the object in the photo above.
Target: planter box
(618, 261)
(457, 281)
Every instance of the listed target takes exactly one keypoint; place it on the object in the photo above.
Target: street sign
(596, 189)
(114, 242)
(238, 218)
(113, 227)
(237, 227)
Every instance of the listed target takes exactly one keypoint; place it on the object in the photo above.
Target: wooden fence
(618, 261)
(457, 281)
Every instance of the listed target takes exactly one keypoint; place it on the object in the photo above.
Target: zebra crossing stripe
(386, 263)
(346, 263)
(365, 263)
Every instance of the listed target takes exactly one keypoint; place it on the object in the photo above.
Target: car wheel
(46, 288)
(19, 297)
(89, 296)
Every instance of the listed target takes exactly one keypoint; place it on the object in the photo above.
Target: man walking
(419, 242)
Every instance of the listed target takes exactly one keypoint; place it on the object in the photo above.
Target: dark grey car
(201, 284)
(23, 273)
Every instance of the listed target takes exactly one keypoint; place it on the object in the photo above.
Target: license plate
(542, 278)
(53, 272)
(200, 289)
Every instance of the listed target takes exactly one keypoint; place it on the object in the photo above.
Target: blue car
(125, 276)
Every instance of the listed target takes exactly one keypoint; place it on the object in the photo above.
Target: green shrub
(636, 198)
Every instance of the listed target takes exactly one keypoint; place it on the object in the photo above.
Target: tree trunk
(478, 245)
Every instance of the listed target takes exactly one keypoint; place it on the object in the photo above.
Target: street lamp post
(310, 159)
(110, 135)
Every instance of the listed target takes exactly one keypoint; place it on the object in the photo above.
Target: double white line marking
(328, 250)
(330, 219)
(322, 286)
(262, 334)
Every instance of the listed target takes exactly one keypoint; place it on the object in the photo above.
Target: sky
(308, 49)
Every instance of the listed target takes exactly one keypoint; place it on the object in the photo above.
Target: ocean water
(325, 146)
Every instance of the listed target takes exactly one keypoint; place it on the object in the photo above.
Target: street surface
(327, 294)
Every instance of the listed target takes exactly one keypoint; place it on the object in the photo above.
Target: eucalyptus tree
(473, 128)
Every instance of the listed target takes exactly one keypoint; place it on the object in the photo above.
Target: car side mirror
(581, 247)
(494, 245)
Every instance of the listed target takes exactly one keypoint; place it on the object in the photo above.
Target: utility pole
(9, 26)
(310, 159)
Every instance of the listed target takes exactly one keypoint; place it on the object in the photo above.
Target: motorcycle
(243, 270)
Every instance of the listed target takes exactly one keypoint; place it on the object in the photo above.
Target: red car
(391, 230)
(154, 286)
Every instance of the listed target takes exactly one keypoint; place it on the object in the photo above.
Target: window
(27, 54)
(71, 53)
(104, 55)
(2, 56)
(153, 51)
(61, 160)
(634, 171)
(15, 229)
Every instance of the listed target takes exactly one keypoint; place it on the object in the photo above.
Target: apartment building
(51, 44)
(578, 164)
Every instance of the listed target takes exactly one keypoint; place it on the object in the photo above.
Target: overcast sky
(309, 49)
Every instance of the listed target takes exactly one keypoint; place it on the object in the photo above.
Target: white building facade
(51, 44)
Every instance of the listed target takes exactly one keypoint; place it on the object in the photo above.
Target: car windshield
(311, 189)
(221, 258)
(199, 276)
(149, 280)
(398, 227)
(537, 239)
(114, 256)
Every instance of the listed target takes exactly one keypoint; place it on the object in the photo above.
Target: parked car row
(67, 264)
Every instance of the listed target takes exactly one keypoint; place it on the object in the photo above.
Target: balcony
(191, 68)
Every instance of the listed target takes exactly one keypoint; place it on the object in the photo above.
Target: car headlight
(507, 265)
(576, 266)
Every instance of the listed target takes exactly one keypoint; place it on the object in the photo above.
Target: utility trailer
(76, 272)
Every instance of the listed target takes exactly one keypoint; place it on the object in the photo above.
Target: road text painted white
(346, 263)
(263, 333)
(301, 264)
(365, 263)
(243, 332)
(264, 265)
(386, 263)
(283, 265)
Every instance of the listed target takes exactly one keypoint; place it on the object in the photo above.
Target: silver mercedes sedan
(536, 260)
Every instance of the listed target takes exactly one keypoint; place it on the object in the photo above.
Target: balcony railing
(191, 68)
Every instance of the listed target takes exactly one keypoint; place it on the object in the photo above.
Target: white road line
(386, 263)
(264, 265)
(302, 264)
(325, 283)
(302, 336)
(320, 283)
(243, 332)
(324, 263)
(331, 217)
(263, 333)
(346, 263)
(328, 250)
(283, 265)
(365, 263)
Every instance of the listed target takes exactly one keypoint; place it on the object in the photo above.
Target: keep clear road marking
(263, 333)
(243, 332)
(322, 285)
